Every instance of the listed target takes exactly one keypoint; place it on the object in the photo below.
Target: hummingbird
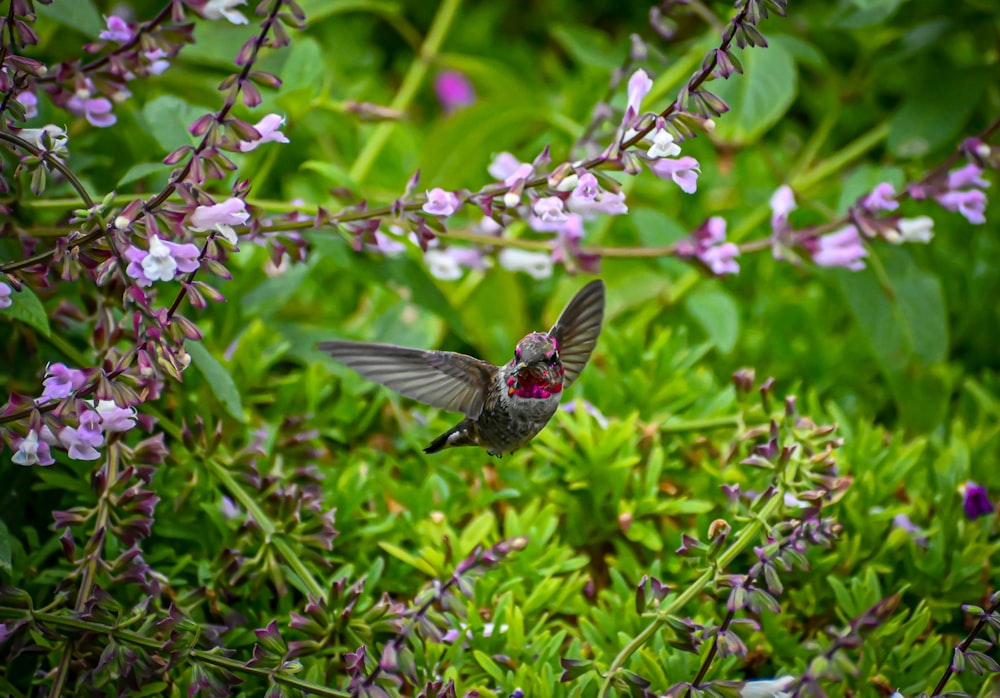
(504, 406)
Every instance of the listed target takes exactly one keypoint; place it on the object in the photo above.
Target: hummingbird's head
(535, 351)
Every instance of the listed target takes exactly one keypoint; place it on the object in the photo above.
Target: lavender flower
(975, 500)
(440, 202)
(503, 166)
(782, 204)
(453, 90)
(639, 85)
(707, 243)
(842, 248)
(81, 442)
(29, 101)
(32, 451)
(220, 218)
(162, 263)
(118, 30)
(219, 9)
(903, 522)
(881, 198)
(60, 381)
(971, 204)
(684, 171)
(115, 418)
(5, 291)
(97, 110)
(269, 133)
(589, 199)
(968, 176)
(156, 60)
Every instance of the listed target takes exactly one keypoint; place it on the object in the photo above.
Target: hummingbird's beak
(522, 365)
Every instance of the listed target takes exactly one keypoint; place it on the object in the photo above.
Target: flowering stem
(414, 77)
(55, 620)
(89, 577)
(836, 162)
(267, 527)
(744, 539)
(55, 163)
(966, 643)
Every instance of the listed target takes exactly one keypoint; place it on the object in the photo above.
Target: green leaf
(588, 46)
(930, 119)
(28, 309)
(758, 98)
(716, 311)
(142, 170)
(6, 552)
(218, 378)
(168, 118)
(489, 666)
(78, 14)
(334, 174)
(857, 14)
(405, 557)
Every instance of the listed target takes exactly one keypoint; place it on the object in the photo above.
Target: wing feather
(443, 379)
(578, 328)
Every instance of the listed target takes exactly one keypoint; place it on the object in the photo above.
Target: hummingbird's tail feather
(459, 435)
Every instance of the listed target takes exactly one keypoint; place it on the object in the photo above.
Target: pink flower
(118, 30)
(162, 263)
(31, 451)
(115, 418)
(220, 218)
(82, 441)
(639, 86)
(503, 166)
(550, 209)
(684, 171)
(971, 204)
(60, 381)
(269, 133)
(708, 244)
(5, 301)
(588, 199)
(881, 198)
(721, 258)
(97, 110)
(453, 90)
(440, 202)
(840, 249)
(782, 204)
(968, 176)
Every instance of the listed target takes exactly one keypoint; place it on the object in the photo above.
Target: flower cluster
(708, 245)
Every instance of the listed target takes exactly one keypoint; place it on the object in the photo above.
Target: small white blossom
(663, 145)
(218, 9)
(537, 265)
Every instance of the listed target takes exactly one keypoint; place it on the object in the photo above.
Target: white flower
(57, 136)
(919, 229)
(767, 688)
(217, 9)
(663, 145)
(159, 265)
(538, 265)
(442, 265)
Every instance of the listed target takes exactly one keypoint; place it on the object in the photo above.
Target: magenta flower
(81, 442)
(219, 9)
(968, 176)
(639, 86)
(970, 203)
(881, 198)
(162, 263)
(60, 381)
(975, 500)
(440, 202)
(115, 418)
(453, 90)
(269, 133)
(118, 30)
(842, 248)
(684, 171)
(31, 451)
(220, 218)
(97, 110)
(5, 291)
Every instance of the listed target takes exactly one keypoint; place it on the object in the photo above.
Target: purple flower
(549, 209)
(968, 176)
(975, 500)
(453, 90)
(708, 244)
(503, 166)
(157, 61)
(971, 204)
(162, 263)
(5, 301)
(269, 133)
(118, 30)
(61, 381)
(537, 265)
(684, 171)
(639, 86)
(81, 442)
(440, 202)
(903, 522)
(217, 9)
(782, 204)
(881, 198)
(29, 101)
(588, 199)
(840, 249)
(220, 218)
(31, 451)
(115, 418)
(721, 259)
(97, 110)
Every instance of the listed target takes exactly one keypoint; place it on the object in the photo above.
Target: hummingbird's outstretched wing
(577, 329)
(443, 379)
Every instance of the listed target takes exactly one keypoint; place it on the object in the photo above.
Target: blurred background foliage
(902, 355)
